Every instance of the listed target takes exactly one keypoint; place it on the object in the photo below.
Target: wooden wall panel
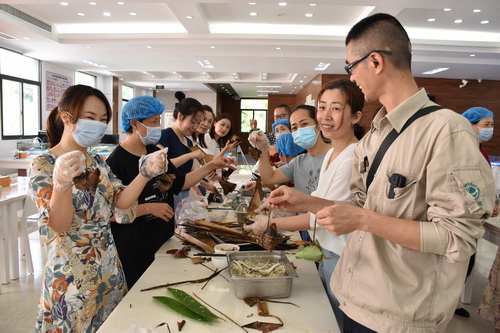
(273, 100)
(446, 92)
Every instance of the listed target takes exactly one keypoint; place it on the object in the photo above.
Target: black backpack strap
(389, 139)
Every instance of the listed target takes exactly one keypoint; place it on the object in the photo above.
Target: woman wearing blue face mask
(482, 121)
(138, 242)
(83, 277)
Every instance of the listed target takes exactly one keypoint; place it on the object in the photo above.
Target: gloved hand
(264, 205)
(153, 164)
(258, 140)
(259, 225)
(67, 167)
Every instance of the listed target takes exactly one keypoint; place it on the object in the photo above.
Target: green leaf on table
(192, 304)
(312, 252)
(181, 308)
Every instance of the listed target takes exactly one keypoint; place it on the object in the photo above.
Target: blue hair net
(286, 146)
(477, 113)
(140, 107)
(282, 122)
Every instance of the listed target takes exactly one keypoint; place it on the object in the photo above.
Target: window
(127, 94)
(86, 79)
(20, 95)
(253, 109)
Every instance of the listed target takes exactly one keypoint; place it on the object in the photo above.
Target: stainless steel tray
(269, 287)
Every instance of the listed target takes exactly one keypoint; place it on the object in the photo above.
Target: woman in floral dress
(83, 278)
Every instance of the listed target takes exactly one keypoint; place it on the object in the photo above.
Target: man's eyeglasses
(348, 68)
(280, 116)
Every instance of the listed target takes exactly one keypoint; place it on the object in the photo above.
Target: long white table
(314, 315)
(11, 201)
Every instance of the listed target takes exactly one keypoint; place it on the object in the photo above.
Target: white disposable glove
(258, 140)
(259, 225)
(67, 167)
(153, 164)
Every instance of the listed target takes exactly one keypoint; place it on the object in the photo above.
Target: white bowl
(221, 262)
(217, 215)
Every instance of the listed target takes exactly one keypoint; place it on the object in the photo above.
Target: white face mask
(153, 134)
(89, 132)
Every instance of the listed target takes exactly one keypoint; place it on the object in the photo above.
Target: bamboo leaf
(181, 308)
(312, 252)
(192, 304)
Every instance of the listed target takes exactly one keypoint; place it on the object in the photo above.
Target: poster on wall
(56, 84)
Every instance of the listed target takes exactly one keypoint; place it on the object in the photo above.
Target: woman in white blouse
(339, 111)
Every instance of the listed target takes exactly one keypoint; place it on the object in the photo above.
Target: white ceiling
(246, 45)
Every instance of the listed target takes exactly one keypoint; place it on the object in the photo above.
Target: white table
(11, 201)
(314, 315)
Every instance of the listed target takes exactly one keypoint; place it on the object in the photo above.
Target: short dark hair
(187, 107)
(311, 110)
(382, 32)
(286, 107)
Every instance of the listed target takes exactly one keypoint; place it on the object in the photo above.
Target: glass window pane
(11, 107)
(254, 104)
(127, 92)
(245, 120)
(261, 116)
(15, 64)
(86, 79)
(31, 106)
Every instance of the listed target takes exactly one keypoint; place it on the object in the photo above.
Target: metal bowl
(269, 287)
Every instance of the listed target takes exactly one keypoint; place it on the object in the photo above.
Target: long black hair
(222, 140)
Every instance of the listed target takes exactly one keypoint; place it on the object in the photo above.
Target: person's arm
(267, 174)
(181, 160)
(292, 223)
(197, 175)
(158, 209)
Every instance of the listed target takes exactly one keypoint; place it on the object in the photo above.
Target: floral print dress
(83, 277)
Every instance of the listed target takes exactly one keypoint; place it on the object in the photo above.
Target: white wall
(167, 98)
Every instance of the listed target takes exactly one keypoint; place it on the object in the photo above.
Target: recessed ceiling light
(322, 66)
(312, 4)
(301, 81)
(88, 47)
(132, 14)
(205, 64)
(253, 14)
(278, 48)
(477, 10)
(472, 55)
(92, 3)
(252, 3)
(106, 14)
(64, 3)
(431, 19)
(94, 64)
(120, 3)
(447, 9)
(309, 15)
(282, 4)
(485, 22)
(80, 14)
(212, 47)
(268, 86)
(436, 70)
(149, 47)
(26, 38)
(189, 17)
(458, 21)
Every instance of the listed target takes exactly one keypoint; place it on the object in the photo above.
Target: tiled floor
(18, 301)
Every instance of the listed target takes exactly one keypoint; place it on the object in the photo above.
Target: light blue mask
(89, 132)
(305, 137)
(153, 135)
(485, 134)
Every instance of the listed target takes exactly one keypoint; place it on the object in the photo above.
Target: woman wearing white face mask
(482, 121)
(138, 242)
(83, 277)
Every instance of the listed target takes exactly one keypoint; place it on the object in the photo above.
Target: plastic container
(269, 287)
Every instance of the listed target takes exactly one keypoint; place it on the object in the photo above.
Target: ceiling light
(267, 91)
(268, 86)
(309, 15)
(301, 81)
(92, 3)
(263, 76)
(312, 4)
(80, 14)
(435, 70)
(431, 19)
(26, 38)
(149, 47)
(472, 55)
(253, 14)
(322, 66)
(477, 10)
(64, 3)
(252, 3)
(282, 4)
(205, 64)
(278, 48)
(120, 3)
(94, 64)
(485, 22)
(212, 47)
(189, 17)
(458, 21)
(106, 14)
(447, 9)
(132, 14)
(88, 47)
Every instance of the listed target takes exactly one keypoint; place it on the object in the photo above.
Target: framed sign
(55, 86)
